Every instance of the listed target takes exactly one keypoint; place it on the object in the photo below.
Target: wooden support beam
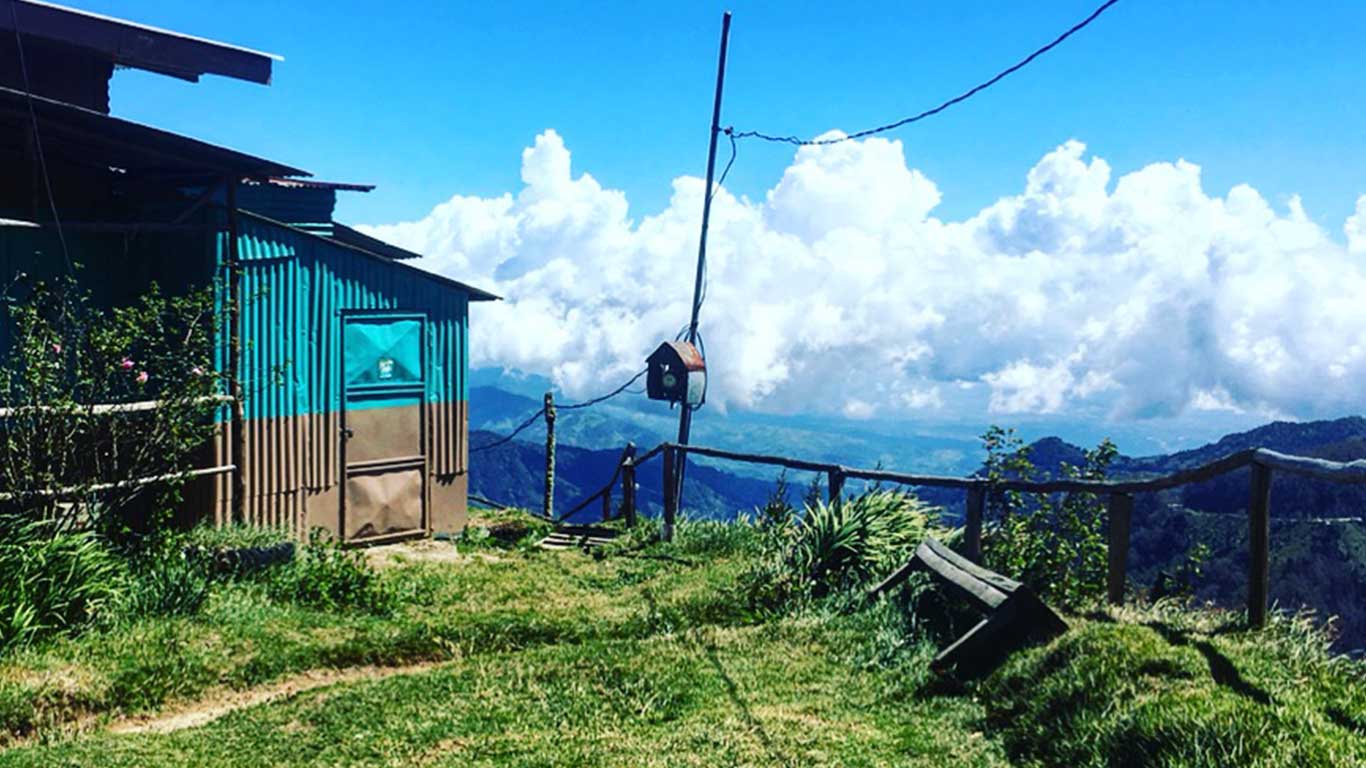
(1121, 510)
(628, 485)
(1259, 545)
(670, 493)
(237, 430)
(548, 504)
(972, 523)
(836, 483)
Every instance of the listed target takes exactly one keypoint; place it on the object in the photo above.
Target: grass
(649, 656)
(1167, 687)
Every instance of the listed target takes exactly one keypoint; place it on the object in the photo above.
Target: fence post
(1259, 545)
(628, 485)
(836, 482)
(972, 523)
(1121, 509)
(670, 494)
(549, 505)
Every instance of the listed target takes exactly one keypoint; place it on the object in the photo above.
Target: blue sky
(430, 99)
(1158, 228)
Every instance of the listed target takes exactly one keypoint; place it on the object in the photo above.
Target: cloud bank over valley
(1133, 296)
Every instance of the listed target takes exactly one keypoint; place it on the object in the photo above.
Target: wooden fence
(1119, 496)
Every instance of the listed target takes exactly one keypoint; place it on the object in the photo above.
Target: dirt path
(215, 705)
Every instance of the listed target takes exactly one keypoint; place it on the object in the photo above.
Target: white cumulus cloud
(840, 291)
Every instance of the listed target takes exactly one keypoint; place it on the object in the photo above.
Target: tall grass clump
(52, 581)
(835, 547)
(326, 575)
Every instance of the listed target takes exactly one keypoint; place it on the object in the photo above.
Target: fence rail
(1119, 498)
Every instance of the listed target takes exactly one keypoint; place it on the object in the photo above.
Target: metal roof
(95, 138)
(130, 44)
(344, 234)
(276, 181)
(475, 294)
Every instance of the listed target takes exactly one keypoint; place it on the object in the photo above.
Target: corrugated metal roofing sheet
(99, 139)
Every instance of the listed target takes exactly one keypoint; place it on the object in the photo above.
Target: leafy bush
(1055, 543)
(327, 575)
(52, 581)
(67, 356)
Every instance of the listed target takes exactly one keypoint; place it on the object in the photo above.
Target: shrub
(68, 355)
(327, 575)
(1055, 543)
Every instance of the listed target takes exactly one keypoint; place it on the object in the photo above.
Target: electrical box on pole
(676, 373)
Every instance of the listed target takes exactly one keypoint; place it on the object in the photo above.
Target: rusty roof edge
(476, 294)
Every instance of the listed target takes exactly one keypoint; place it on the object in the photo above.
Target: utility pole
(685, 417)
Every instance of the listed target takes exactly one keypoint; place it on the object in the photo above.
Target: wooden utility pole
(237, 422)
(685, 417)
(549, 506)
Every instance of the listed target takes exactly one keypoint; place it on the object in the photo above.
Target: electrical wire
(935, 110)
(38, 137)
(508, 438)
(567, 407)
(608, 396)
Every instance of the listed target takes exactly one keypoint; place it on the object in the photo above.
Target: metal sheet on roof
(130, 44)
(99, 139)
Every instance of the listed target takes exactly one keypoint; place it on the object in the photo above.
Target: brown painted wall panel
(450, 503)
(383, 433)
(294, 472)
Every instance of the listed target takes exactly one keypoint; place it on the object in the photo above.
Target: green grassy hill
(651, 655)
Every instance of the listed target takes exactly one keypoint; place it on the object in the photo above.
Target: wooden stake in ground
(549, 506)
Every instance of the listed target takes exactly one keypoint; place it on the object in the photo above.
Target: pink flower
(197, 371)
(127, 364)
(56, 349)
(142, 377)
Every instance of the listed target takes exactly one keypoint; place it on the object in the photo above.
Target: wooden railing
(1119, 498)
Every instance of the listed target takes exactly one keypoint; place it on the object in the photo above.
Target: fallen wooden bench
(1015, 615)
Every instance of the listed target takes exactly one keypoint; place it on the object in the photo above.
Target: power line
(37, 136)
(507, 439)
(936, 110)
(608, 396)
(525, 425)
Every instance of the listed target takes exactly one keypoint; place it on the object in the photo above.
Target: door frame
(360, 315)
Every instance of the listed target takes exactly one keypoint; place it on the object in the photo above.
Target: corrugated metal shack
(353, 365)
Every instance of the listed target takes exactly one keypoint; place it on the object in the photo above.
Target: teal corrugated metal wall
(294, 288)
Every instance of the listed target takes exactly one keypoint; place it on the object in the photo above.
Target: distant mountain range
(1322, 565)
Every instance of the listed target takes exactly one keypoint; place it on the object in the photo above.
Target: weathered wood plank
(972, 523)
(1121, 510)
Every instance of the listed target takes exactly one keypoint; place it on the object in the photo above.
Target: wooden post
(836, 479)
(606, 504)
(670, 494)
(1121, 509)
(972, 523)
(237, 432)
(1259, 545)
(628, 485)
(549, 505)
